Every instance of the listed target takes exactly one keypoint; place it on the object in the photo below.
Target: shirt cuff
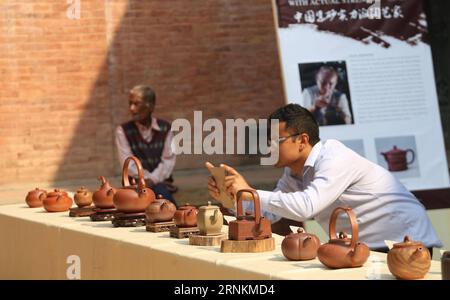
(264, 199)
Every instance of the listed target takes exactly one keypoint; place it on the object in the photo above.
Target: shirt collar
(312, 157)
(154, 125)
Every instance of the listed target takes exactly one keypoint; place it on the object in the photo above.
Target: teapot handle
(240, 209)
(354, 224)
(412, 157)
(125, 180)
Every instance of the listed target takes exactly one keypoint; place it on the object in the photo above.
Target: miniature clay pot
(103, 197)
(186, 216)
(160, 210)
(133, 198)
(341, 251)
(300, 245)
(209, 220)
(57, 201)
(409, 259)
(35, 197)
(249, 227)
(83, 197)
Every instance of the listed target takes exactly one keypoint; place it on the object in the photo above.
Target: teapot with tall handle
(133, 198)
(341, 251)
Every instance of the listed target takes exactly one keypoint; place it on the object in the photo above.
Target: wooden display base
(81, 211)
(206, 240)
(248, 246)
(160, 226)
(101, 214)
(182, 232)
(129, 220)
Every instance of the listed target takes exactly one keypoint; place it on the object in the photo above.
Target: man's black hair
(298, 119)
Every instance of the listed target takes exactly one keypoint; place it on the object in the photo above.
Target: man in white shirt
(320, 176)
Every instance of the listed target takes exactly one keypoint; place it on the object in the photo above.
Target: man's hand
(234, 181)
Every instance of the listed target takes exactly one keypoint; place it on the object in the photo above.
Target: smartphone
(219, 174)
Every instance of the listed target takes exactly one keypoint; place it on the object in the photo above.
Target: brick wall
(64, 82)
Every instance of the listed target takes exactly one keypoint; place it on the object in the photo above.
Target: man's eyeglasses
(281, 139)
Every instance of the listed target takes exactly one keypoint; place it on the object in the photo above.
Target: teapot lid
(395, 150)
(209, 206)
(57, 192)
(186, 206)
(82, 190)
(407, 242)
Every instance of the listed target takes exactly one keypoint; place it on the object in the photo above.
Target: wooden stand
(206, 240)
(129, 220)
(81, 211)
(160, 226)
(248, 246)
(182, 232)
(101, 214)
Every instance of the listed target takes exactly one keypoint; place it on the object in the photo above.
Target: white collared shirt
(335, 176)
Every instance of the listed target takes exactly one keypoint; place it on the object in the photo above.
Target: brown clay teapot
(249, 227)
(160, 210)
(35, 197)
(186, 216)
(300, 245)
(133, 198)
(57, 201)
(103, 197)
(409, 259)
(83, 197)
(209, 219)
(343, 252)
(396, 159)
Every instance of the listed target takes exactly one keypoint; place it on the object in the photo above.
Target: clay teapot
(409, 259)
(133, 198)
(249, 227)
(83, 197)
(209, 220)
(343, 252)
(396, 159)
(34, 197)
(57, 201)
(160, 210)
(300, 245)
(103, 197)
(186, 216)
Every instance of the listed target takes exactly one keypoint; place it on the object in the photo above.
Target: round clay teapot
(160, 210)
(103, 197)
(132, 198)
(396, 159)
(35, 197)
(341, 251)
(209, 220)
(409, 259)
(186, 216)
(57, 201)
(300, 245)
(83, 197)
